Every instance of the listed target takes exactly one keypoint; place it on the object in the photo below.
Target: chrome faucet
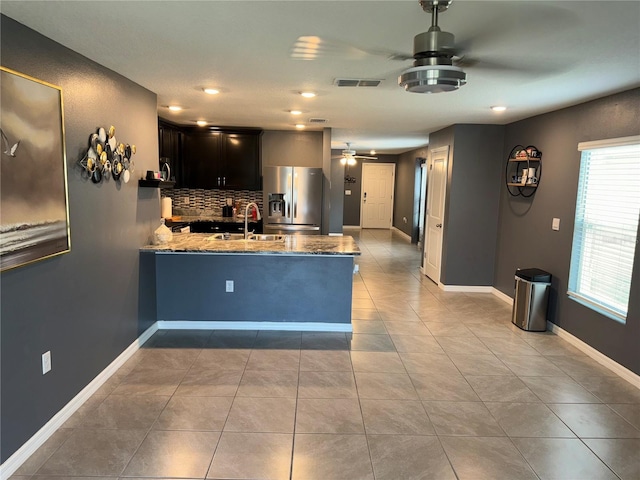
(246, 218)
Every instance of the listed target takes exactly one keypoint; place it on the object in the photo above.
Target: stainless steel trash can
(531, 299)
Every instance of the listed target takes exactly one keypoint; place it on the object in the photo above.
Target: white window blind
(606, 225)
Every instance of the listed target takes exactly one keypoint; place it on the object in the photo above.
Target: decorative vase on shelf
(162, 234)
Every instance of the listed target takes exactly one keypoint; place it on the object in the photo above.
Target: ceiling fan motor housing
(432, 79)
(433, 70)
(434, 43)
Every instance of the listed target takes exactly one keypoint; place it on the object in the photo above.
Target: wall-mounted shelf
(156, 183)
(531, 185)
(525, 159)
(522, 159)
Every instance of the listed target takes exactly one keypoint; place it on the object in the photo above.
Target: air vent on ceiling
(356, 82)
(318, 120)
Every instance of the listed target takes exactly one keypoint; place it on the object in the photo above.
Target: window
(606, 225)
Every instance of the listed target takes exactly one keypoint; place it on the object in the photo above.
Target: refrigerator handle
(290, 188)
(295, 195)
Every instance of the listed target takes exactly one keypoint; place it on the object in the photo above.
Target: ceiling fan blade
(530, 67)
(392, 75)
(518, 20)
(310, 47)
(364, 157)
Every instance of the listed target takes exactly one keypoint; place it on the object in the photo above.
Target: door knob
(438, 225)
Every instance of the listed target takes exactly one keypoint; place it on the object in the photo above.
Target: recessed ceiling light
(175, 108)
(211, 91)
(498, 108)
(295, 112)
(201, 123)
(299, 126)
(308, 94)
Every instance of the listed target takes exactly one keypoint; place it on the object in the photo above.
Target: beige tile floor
(431, 385)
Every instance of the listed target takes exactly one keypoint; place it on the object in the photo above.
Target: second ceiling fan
(349, 156)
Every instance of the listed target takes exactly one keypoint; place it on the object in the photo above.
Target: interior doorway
(378, 181)
(421, 187)
(434, 225)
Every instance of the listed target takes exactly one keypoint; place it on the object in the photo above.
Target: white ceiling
(561, 53)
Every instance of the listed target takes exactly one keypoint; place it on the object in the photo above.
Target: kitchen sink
(266, 238)
(227, 236)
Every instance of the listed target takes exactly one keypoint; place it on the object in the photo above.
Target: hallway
(430, 385)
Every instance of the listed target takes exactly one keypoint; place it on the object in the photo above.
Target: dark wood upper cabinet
(201, 160)
(239, 167)
(170, 145)
(212, 158)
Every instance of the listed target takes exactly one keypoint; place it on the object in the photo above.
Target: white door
(377, 194)
(436, 189)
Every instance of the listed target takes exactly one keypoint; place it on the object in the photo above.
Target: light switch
(229, 286)
(555, 224)
(347, 192)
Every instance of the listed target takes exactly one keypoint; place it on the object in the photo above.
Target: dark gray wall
(525, 238)
(407, 192)
(300, 149)
(351, 214)
(472, 202)
(336, 199)
(268, 288)
(82, 306)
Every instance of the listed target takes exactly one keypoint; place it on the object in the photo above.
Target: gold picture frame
(34, 199)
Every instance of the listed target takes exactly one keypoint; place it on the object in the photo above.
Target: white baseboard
(351, 227)
(335, 234)
(502, 296)
(408, 237)
(587, 349)
(282, 326)
(30, 446)
(466, 288)
(599, 357)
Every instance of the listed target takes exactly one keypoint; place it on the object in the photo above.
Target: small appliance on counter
(227, 210)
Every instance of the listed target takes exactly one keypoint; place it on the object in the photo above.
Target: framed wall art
(34, 206)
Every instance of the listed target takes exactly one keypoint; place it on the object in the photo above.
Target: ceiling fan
(433, 55)
(433, 52)
(438, 61)
(349, 156)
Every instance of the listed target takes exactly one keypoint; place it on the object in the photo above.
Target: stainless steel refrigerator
(292, 200)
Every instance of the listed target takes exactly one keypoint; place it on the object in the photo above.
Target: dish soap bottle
(162, 234)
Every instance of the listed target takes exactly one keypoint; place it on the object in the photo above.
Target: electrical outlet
(555, 224)
(404, 219)
(347, 192)
(229, 286)
(46, 362)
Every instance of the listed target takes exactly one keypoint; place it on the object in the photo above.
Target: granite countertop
(291, 245)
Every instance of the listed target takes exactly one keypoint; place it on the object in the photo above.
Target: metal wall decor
(107, 158)
(523, 170)
(34, 224)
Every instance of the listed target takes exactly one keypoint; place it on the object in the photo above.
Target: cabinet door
(201, 160)
(170, 146)
(241, 161)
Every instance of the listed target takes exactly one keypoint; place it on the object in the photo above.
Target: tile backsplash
(210, 201)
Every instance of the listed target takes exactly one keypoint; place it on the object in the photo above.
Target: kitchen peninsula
(302, 282)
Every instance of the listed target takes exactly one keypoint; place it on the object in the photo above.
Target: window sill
(601, 311)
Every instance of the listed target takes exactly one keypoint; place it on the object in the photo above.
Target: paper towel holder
(166, 210)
